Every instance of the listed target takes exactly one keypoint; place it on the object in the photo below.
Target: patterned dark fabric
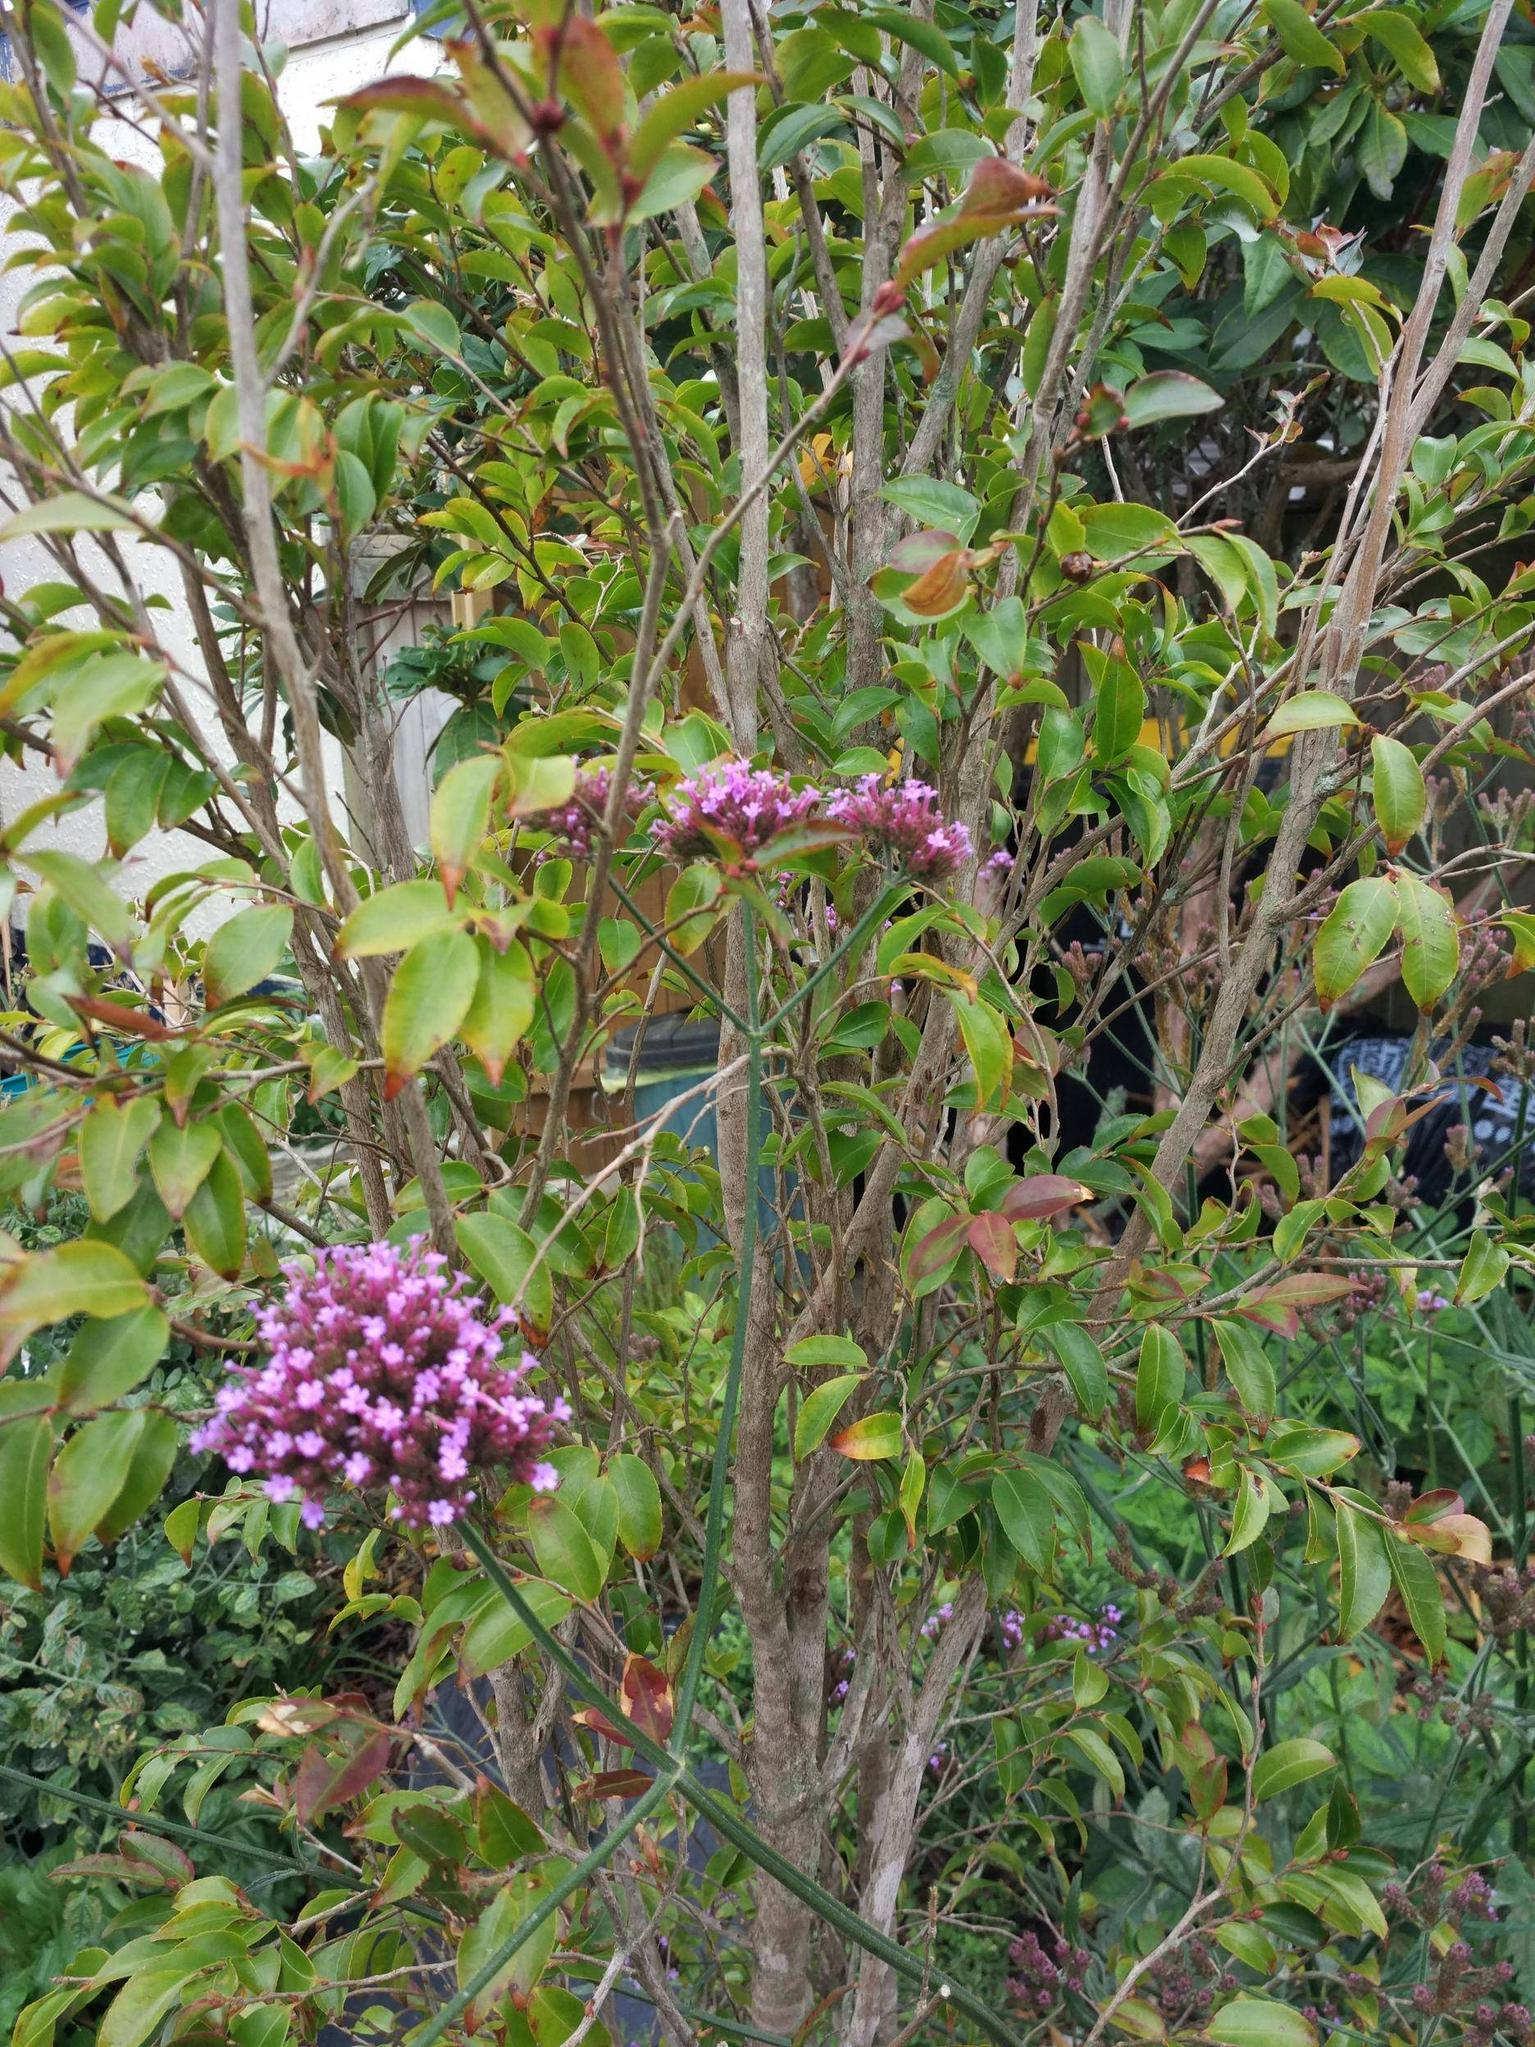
(1498, 1128)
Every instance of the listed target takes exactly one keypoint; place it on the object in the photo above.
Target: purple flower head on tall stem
(382, 1373)
(731, 801)
(574, 822)
(903, 821)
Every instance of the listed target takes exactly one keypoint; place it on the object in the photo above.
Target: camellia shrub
(986, 547)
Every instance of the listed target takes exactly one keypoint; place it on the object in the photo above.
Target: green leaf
(1299, 36)
(1396, 32)
(460, 817)
(25, 1445)
(1310, 710)
(639, 1504)
(1119, 711)
(150, 1466)
(1115, 531)
(1430, 939)
(78, 882)
(113, 686)
(1259, 2022)
(1355, 932)
(1247, 1367)
(1098, 64)
(1364, 1571)
(1289, 1763)
(432, 989)
(990, 1046)
(485, 1940)
(246, 1146)
(925, 36)
(819, 1410)
(696, 890)
(1098, 1756)
(1481, 1270)
(180, 1159)
(501, 1254)
(88, 1474)
(1415, 1579)
(70, 512)
(1083, 1363)
(678, 109)
(502, 1007)
(1249, 1512)
(393, 920)
(1398, 792)
(1027, 1517)
(1159, 1380)
(874, 1437)
(111, 1141)
(108, 1359)
(1380, 151)
(941, 507)
(680, 176)
(433, 324)
(245, 950)
(812, 1351)
(82, 1278)
(1311, 1453)
(1168, 394)
(1225, 174)
(563, 1548)
(215, 1217)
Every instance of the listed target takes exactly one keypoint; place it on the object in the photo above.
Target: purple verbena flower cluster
(730, 800)
(746, 807)
(381, 1372)
(1096, 1635)
(573, 823)
(904, 820)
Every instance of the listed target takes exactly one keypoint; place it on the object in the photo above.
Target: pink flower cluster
(729, 800)
(574, 823)
(381, 1372)
(904, 821)
(1096, 1635)
(745, 807)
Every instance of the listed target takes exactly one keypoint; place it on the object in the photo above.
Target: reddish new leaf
(1043, 1195)
(991, 1238)
(646, 1697)
(936, 1250)
(323, 1781)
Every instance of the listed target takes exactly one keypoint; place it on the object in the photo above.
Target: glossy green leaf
(245, 950)
(819, 1409)
(25, 1447)
(1397, 790)
(639, 1505)
(180, 1158)
(109, 1358)
(1354, 933)
(88, 1474)
(82, 1278)
(1288, 1763)
(562, 1548)
(432, 989)
(112, 1140)
(1430, 939)
(1365, 1571)
(1300, 37)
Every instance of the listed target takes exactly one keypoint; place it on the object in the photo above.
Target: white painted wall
(329, 65)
